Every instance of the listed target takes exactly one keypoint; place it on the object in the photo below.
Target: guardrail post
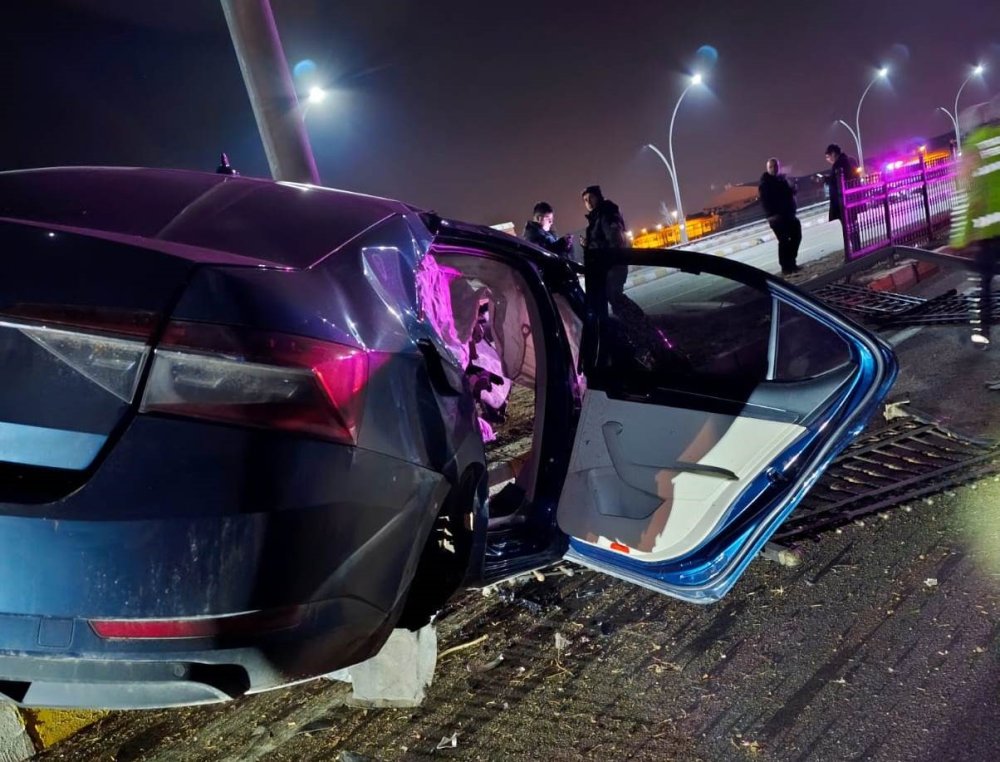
(925, 189)
(888, 211)
(845, 218)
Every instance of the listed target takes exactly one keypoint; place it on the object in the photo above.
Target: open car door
(716, 396)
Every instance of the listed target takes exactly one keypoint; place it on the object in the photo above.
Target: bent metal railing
(907, 206)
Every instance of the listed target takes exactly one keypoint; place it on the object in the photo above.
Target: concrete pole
(269, 85)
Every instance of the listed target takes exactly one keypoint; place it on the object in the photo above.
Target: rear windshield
(287, 225)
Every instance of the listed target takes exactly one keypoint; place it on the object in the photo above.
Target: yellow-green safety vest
(976, 211)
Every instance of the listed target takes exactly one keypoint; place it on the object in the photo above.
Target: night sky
(480, 109)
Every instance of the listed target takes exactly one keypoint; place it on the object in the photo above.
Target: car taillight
(108, 347)
(256, 378)
(248, 623)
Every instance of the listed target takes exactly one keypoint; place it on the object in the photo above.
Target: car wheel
(445, 557)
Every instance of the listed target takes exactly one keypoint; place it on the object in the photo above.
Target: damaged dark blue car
(247, 428)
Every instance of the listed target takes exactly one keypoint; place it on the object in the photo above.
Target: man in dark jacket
(777, 196)
(843, 168)
(540, 232)
(841, 165)
(605, 230)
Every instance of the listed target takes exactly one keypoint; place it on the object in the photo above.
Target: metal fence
(908, 206)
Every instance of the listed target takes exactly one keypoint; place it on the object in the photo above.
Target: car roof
(287, 224)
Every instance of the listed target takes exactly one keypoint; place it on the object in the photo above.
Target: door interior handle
(641, 475)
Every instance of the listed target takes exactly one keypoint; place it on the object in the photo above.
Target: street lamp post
(670, 171)
(857, 143)
(695, 80)
(953, 115)
(671, 164)
(881, 74)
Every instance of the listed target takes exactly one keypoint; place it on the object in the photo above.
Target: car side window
(688, 329)
(806, 348)
(708, 334)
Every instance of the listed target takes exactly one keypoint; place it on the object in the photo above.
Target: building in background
(662, 236)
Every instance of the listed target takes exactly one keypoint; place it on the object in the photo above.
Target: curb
(25, 732)
(903, 276)
(48, 727)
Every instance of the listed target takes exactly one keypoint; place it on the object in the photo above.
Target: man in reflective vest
(976, 216)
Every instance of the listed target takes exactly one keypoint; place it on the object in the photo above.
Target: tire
(445, 557)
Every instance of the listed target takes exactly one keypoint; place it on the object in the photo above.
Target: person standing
(976, 213)
(777, 196)
(605, 230)
(843, 168)
(539, 231)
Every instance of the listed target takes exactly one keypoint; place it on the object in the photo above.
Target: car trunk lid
(79, 314)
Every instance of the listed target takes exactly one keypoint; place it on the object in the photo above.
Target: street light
(856, 132)
(314, 97)
(977, 71)
(671, 165)
(857, 143)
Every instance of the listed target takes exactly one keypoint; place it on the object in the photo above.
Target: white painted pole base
(398, 675)
(15, 743)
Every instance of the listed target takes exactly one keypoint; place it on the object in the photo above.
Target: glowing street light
(313, 97)
(882, 73)
(671, 165)
(977, 71)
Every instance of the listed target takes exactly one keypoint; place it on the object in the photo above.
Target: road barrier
(728, 243)
(907, 205)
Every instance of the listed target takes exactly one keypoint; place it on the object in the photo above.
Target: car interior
(719, 343)
(493, 334)
(702, 388)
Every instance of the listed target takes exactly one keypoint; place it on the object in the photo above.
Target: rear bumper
(203, 520)
(332, 531)
(331, 635)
